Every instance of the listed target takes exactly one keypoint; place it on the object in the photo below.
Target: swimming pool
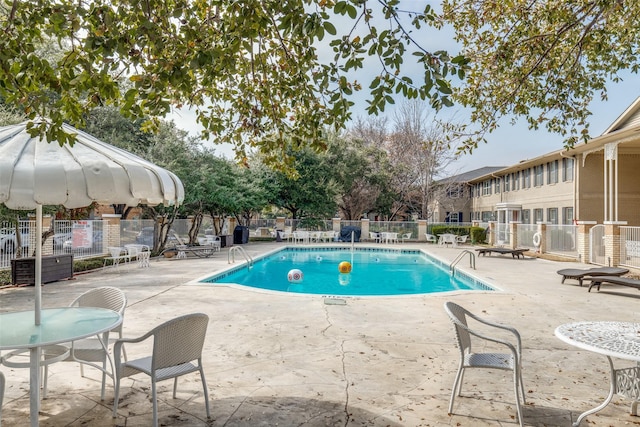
(374, 272)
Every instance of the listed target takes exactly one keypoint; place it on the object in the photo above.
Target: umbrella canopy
(38, 172)
(35, 172)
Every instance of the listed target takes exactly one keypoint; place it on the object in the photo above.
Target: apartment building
(597, 181)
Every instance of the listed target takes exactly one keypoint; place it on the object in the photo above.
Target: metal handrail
(231, 257)
(472, 259)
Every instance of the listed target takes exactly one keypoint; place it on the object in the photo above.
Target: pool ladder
(231, 256)
(472, 259)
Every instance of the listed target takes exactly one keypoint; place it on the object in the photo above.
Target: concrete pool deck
(284, 359)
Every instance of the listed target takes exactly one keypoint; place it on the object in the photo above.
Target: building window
(507, 181)
(486, 216)
(552, 172)
(516, 181)
(455, 192)
(526, 216)
(526, 178)
(552, 215)
(537, 215)
(486, 188)
(497, 186)
(567, 169)
(539, 176)
(567, 216)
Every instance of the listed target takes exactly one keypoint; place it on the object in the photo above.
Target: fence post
(422, 230)
(492, 233)
(542, 230)
(280, 223)
(612, 242)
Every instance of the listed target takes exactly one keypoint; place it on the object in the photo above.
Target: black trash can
(240, 235)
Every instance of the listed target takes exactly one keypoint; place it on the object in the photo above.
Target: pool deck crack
(344, 367)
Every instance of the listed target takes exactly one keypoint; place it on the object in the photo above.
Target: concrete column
(583, 244)
(364, 227)
(422, 230)
(280, 223)
(612, 242)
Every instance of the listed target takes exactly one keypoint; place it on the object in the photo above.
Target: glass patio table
(57, 325)
(611, 339)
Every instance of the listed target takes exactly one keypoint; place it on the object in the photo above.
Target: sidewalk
(285, 359)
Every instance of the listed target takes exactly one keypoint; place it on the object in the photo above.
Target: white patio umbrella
(35, 172)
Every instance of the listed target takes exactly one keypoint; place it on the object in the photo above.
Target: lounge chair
(515, 253)
(580, 274)
(614, 280)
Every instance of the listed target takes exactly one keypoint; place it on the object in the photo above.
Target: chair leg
(154, 396)
(516, 386)
(116, 392)
(175, 386)
(206, 392)
(456, 388)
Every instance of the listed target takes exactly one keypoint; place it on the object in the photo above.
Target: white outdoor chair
(176, 345)
(468, 359)
(431, 238)
(405, 236)
(90, 350)
(460, 240)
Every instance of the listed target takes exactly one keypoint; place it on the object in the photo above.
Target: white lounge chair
(431, 238)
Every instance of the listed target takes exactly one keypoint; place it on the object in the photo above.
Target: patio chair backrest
(458, 316)
(179, 340)
(103, 297)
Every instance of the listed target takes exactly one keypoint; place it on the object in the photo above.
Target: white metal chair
(406, 236)
(461, 240)
(176, 345)
(91, 350)
(431, 238)
(468, 359)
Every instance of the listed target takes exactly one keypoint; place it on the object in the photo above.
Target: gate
(596, 245)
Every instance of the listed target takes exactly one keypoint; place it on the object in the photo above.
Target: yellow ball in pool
(344, 267)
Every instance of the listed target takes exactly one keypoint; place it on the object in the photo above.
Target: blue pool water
(374, 272)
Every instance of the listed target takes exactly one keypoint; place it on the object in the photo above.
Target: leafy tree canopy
(251, 69)
(544, 60)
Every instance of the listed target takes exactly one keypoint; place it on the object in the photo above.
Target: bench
(515, 253)
(615, 280)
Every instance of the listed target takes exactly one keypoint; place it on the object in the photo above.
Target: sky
(506, 146)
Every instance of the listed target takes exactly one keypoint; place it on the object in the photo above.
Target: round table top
(615, 339)
(57, 325)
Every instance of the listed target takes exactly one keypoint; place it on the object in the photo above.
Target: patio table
(58, 325)
(611, 339)
(446, 238)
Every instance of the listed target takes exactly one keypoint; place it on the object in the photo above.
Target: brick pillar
(513, 233)
(583, 245)
(232, 224)
(364, 227)
(280, 223)
(47, 248)
(422, 230)
(612, 242)
(111, 230)
(336, 224)
(492, 233)
(542, 230)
